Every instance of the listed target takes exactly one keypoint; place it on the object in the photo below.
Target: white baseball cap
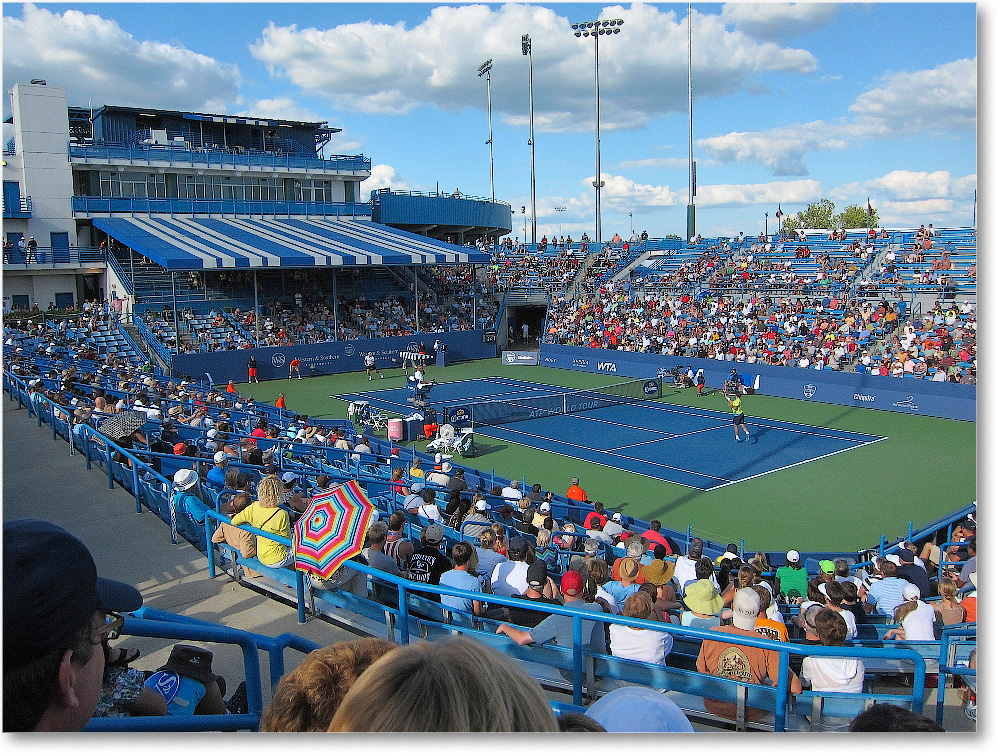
(220, 456)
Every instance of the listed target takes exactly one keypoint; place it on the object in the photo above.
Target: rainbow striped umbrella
(332, 530)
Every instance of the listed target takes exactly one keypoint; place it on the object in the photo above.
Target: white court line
(794, 464)
(609, 454)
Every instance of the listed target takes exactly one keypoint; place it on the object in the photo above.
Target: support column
(336, 306)
(177, 330)
(256, 310)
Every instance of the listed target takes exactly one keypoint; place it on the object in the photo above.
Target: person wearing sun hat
(626, 584)
(705, 606)
(726, 658)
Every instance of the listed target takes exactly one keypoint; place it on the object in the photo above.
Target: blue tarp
(178, 243)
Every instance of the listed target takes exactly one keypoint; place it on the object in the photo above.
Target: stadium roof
(178, 243)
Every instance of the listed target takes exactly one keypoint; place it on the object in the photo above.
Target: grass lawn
(925, 468)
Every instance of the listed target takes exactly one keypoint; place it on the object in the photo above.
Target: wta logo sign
(609, 367)
(277, 359)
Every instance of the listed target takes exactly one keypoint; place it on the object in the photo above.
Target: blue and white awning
(178, 243)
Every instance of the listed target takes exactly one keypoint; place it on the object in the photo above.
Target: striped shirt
(886, 594)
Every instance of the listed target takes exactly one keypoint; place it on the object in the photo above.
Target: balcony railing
(47, 256)
(22, 210)
(143, 205)
(233, 158)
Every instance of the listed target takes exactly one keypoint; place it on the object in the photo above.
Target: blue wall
(915, 397)
(328, 357)
(390, 208)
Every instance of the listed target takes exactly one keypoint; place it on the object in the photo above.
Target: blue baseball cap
(51, 589)
(635, 709)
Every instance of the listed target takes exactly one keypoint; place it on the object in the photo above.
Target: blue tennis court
(689, 446)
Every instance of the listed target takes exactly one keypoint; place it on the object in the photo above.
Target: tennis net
(503, 411)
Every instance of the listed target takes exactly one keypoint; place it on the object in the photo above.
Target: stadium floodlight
(595, 29)
(485, 69)
(526, 50)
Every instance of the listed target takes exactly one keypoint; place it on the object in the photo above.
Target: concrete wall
(911, 396)
(40, 287)
(41, 135)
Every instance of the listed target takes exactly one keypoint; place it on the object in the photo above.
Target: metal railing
(171, 205)
(232, 158)
(23, 209)
(45, 256)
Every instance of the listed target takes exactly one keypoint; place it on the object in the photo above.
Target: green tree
(817, 215)
(856, 216)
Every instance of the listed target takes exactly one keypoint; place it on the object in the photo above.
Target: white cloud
(739, 195)
(654, 163)
(434, 63)
(281, 108)
(383, 177)
(909, 186)
(935, 100)
(774, 21)
(95, 58)
(938, 100)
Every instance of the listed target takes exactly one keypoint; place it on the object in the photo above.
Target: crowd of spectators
(818, 333)
(515, 550)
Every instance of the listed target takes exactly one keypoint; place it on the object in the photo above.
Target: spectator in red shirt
(653, 536)
(596, 520)
(575, 492)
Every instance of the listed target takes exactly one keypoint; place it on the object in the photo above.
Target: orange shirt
(576, 493)
(724, 658)
(969, 604)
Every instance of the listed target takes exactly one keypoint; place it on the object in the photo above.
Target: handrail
(143, 205)
(116, 266)
(245, 159)
(53, 256)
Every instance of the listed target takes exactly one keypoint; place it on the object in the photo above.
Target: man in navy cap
(56, 611)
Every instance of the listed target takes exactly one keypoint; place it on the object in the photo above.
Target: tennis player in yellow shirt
(739, 419)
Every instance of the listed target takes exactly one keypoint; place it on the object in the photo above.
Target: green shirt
(737, 406)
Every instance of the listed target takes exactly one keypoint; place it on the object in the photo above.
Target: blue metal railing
(46, 412)
(23, 209)
(216, 158)
(124, 277)
(151, 341)
(86, 205)
(446, 195)
(54, 256)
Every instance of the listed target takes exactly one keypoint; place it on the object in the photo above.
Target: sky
(792, 103)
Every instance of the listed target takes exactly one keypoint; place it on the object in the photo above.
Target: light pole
(485, 68)
(526, 50)
(597, 29)
(631, 228)
(560, 210)
(692, 170)
(765, 223)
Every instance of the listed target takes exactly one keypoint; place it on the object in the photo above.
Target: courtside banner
(520, 358)
(328, 357)
(909, 395)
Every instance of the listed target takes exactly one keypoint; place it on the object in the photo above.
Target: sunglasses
(110, 629)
